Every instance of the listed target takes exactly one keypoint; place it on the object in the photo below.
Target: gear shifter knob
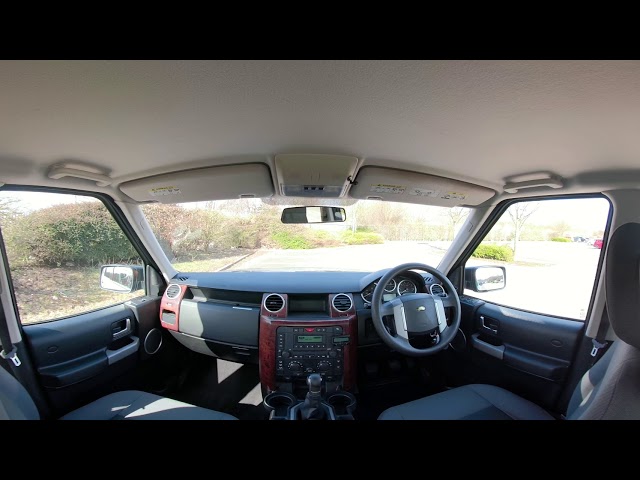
(314, 381)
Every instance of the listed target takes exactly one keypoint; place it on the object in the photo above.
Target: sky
(585, 214)
(30, 201)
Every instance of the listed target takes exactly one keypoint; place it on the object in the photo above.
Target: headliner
(478, 121)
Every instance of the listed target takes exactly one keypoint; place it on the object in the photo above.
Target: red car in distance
(598, 243)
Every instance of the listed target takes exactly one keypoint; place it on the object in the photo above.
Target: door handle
(491, 325)
(119, 331)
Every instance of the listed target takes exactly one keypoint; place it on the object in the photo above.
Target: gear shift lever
(312, 409)
(315, 384)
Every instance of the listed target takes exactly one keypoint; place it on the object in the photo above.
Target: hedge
(560, 239)
(85, 234)
(494, 252)
(81, 234)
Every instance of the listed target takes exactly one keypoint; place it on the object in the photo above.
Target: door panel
(524, 352)
(75, 355)
(523, 333)
(547, 336)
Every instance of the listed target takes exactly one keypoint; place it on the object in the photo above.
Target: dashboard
(244, 285)
(263, 317)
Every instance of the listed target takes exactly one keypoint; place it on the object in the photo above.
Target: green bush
(560, 239)
(494, 252)
(361, 238)
(82, 234)
(322, 238)
(290, 241)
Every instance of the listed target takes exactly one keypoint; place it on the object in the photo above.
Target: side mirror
(122, 278)
(485, 278)
(313, 215)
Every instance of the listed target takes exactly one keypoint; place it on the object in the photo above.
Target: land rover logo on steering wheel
(421, 308)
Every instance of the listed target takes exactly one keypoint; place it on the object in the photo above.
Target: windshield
(247, 235)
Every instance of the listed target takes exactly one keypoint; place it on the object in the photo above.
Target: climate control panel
(302, 350)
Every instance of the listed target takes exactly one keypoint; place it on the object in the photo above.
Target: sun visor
(403, 186)
(202, 184)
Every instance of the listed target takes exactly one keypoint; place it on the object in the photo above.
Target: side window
(56, 244)
(550, 250)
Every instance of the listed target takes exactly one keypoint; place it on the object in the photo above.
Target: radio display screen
(309, 338)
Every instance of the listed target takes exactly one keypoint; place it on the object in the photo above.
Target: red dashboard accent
(269, 323)
(172, 305)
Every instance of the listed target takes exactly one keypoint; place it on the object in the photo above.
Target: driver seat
(609, 390)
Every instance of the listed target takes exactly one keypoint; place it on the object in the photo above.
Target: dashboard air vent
(436, 289)
(342, 302)
(182, 278)
(274, 303)
(173, 291)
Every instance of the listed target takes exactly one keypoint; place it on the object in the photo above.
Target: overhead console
(314, 175)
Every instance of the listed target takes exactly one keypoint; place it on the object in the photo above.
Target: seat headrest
(622, 283)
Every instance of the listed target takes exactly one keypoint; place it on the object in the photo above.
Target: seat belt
(9, 351)
(600, 341)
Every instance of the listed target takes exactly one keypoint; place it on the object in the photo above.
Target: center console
(302, 350)
(302, 337)
(338, 405)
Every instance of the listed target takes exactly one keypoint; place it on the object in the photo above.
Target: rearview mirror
(485, 278)
(122, 278)
(313, 215)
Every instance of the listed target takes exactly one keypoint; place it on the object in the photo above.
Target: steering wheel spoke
(395, 309)
(440, 314)
(388, 308)
(448, 301)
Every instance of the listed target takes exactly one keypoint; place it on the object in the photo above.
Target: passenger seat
(16, 404)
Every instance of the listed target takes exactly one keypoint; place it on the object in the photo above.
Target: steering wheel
(416, 313)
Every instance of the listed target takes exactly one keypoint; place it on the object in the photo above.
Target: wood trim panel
(267, 346)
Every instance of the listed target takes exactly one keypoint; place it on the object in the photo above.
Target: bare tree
(519, 214)
(455, 216)
(8, 210)
(560, 228)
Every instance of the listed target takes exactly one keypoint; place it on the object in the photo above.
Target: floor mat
(373, 401)
(228, 387)
(394, 380)
(234, 388)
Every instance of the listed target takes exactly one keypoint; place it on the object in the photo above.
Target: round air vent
(274, 303)
(436, 289)
(342, 302)
(173, 291)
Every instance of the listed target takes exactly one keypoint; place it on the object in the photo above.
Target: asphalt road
(558, 281)
(548, 277)
(365, 258)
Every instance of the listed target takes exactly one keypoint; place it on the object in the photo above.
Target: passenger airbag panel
(220, 322)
